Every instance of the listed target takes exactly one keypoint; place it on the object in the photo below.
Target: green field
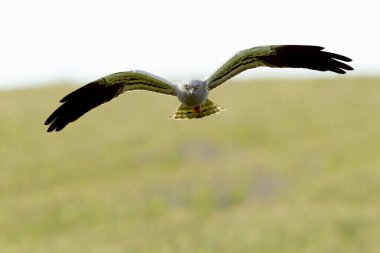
(291, 166)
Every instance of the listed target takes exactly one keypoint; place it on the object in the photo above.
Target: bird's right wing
(103, 90)
(279, 56)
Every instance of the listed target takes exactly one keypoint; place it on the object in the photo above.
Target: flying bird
(193, 93)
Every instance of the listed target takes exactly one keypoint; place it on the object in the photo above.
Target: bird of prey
(193, 93)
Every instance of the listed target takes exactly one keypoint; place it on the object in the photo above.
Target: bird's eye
(186, 86)
(196, 87)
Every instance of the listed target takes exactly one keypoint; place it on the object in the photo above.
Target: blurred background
(291, 166)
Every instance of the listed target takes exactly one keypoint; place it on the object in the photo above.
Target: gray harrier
(193, 93)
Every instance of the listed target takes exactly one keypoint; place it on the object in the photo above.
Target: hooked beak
(191, 90)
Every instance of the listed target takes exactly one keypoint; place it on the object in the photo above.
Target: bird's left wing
(103, 90)
(279, 56)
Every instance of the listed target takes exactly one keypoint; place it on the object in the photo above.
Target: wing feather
(103, 90)
(281, 56)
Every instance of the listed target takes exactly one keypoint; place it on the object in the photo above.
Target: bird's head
(192, 87)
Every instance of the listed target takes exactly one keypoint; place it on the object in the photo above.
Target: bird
(193, 93)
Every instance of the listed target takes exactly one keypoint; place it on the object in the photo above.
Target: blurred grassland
(291, 166)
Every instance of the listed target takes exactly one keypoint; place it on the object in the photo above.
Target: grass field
(291, 166)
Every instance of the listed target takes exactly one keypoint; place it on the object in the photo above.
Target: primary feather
(282, 56)
(103, 90)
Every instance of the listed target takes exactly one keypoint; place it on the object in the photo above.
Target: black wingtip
(310, 57)
(50, 129)
(338, 57)
(80, 101)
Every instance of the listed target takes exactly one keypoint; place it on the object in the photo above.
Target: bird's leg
(197, 109)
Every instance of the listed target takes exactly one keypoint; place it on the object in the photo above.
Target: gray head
(192, 87)
(192, 92)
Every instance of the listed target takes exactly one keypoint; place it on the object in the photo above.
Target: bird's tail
(186, 112)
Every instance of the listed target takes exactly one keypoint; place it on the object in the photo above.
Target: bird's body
(193, 93)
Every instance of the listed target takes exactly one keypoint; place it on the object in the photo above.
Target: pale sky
(43, 41)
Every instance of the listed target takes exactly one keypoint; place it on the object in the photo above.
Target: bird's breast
(192, 100)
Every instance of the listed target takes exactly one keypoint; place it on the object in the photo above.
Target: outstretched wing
(281, 56)
(103, 90)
